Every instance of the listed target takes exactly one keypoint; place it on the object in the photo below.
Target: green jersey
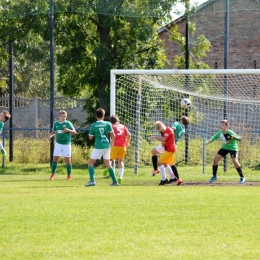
(227, 142)
(100, 130)
(1, 126)
(179, 131)
(62, 137)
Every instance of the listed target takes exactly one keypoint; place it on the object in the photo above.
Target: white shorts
(62, 150)
(98, 153)
(159, 148)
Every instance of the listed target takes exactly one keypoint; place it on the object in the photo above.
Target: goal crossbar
(142, 97)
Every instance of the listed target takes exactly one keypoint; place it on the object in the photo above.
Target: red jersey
(121, 133)
(169, 143)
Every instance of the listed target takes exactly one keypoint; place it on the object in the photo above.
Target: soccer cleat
(69, 177)
(119, 180)
(105, 173)
(242, 180)
(172, 180)
(154, 172)
(90, 183)
(214, 178)
(3, 152)
(52, 177)
(163, 182)
(179, 182)
(114, 184)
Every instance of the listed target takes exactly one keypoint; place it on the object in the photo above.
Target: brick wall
(244, 33)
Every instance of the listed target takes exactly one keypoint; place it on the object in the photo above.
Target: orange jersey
(121, 133)
(169, 143)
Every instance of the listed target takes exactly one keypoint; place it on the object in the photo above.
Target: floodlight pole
(51, 14)
(226, 45)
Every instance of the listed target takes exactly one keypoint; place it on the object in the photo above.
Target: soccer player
(169, 148)
(118, 151)
(4, 116)
(103, 132)
(179, 131)
(229, 145)
(62, 130)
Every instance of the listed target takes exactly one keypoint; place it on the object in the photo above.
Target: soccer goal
(142, 97)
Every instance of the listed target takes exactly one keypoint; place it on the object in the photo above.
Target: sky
(198, 1)
(192, 2)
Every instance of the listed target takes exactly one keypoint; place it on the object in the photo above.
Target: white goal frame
(114, 73)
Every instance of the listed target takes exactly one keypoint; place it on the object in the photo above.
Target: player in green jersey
(179, 131)
(229, 145)
(62, 130)
(102, 131)
(4, 116)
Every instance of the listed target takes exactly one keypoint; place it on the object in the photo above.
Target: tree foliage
(91, 37)
(199, 48)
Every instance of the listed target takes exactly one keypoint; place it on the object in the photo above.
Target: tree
(100, 43)
(91, 37)
(199, 48)
(30, 51)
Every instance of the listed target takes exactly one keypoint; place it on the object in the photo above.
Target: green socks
(69, 168)
(54, 167)
(112, 174)
(91, 171)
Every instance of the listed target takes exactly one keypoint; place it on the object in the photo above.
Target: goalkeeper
(229, 145)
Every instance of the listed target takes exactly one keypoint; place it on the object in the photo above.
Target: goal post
(142, 97)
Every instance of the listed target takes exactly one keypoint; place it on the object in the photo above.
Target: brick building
(209, 19)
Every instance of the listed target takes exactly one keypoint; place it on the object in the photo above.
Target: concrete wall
(36, 113)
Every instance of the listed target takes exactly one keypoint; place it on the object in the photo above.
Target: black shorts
(224, 152)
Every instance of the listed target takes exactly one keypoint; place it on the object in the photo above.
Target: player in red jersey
(167, 157)
(118, 151)
(179, 131)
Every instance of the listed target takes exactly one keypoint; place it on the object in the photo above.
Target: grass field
(42, 219)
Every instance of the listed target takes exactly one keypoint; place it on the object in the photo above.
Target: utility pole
(11, 98)
(187, 79)
(226, 45)
(51, 74)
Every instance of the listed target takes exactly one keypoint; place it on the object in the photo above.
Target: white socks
(169, 170)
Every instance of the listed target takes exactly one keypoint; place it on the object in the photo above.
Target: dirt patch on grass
(250, 183)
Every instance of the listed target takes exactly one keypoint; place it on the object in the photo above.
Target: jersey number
(119, 131)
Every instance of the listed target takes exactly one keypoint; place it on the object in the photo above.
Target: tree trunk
(103, 62)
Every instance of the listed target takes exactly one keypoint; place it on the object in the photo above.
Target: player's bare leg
(239, 170)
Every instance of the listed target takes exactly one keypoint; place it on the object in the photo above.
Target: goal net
(142, 97)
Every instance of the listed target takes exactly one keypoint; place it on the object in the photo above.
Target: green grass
(42, 219)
